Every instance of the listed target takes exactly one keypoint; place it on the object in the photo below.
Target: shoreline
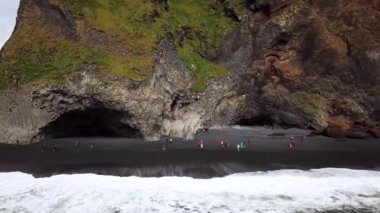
(128, 157)
(262, 131)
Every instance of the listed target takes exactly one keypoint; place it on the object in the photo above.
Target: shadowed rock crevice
(267, 120)
(262, 120)
(91, 122)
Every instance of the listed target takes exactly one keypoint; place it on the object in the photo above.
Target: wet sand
(125, 157)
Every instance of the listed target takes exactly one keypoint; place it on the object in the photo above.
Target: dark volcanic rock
(308, 64)
(359, 135)
(377, 5)
(375, 132)
(338, 127)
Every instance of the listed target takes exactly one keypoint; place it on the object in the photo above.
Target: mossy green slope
(197, 26)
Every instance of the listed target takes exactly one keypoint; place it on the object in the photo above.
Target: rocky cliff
(172, 67)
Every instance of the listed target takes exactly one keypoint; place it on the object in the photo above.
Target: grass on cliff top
(198, 26)
(143, 23)
(134, 69)
(42, 58)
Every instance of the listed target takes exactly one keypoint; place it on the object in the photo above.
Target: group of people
(77, 145)
(45, 147)
(240, 146)
(225, 144)
(54, 148)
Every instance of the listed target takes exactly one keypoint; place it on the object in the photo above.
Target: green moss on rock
(338, 28)
(202, 68)
(43, 58)
(197, 26)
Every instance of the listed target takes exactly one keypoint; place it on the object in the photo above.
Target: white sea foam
(277, 191)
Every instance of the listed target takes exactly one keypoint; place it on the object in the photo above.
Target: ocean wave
(275, 191)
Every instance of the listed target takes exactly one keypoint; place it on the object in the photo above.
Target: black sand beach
(125, 157)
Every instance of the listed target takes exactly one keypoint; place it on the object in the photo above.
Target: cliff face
(168, 67)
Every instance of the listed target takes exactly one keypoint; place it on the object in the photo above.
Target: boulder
(375, 132)
(357, 134)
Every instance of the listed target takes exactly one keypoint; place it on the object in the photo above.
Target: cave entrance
(91, 122)
(262, 120)
(265, 120)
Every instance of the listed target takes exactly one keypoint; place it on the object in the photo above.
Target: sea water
(275, 191)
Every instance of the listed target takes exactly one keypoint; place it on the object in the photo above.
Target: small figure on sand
(227, 144)
(164, 147)
(222, 145)
(44, 147)
(238, 147)
(168, 141)
(291, 142)
(55, 148)
(92, 146)
(242, 145)
(200, 144)
(303, 138)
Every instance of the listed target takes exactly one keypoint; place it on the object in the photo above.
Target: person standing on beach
(291, 142)
(303, 137)
(242, 145)
(44, 147)
(222, 146)
(92, 146)
(238, 147)
(169, 141)
(227, 144)
(55, 148)
(200, 144)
